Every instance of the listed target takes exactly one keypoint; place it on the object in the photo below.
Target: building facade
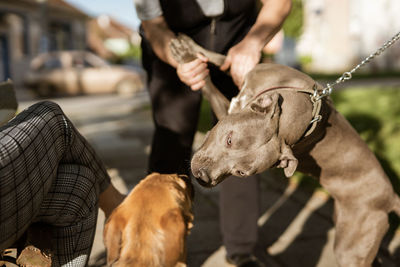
(338, 34)
(29, 27)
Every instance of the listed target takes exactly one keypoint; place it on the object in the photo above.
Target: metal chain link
(349, 74)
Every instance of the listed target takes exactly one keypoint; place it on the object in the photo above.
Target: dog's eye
(229, 140)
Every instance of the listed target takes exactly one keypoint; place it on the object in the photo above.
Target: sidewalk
(295, 226)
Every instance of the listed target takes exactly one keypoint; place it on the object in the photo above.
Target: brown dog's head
(252, 140)
(149, 227)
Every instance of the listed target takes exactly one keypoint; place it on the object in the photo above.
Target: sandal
(8, 257)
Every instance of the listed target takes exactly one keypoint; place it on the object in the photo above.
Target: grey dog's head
(244, 143)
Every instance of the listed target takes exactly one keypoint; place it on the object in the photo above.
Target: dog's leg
(359, 232)
(183, 53)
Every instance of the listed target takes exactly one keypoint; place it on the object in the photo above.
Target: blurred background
(324, 37)
(85, 55)
(59, 47)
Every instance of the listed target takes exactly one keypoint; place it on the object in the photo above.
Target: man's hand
(159, 35)
(194, 72)
(241, 59)
(244, 56)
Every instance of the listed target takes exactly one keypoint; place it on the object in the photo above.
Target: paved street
(295, 226)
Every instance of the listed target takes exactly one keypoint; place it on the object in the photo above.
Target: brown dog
(281, 119)
(149, 228)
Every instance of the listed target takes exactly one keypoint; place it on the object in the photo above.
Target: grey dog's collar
(316, 102)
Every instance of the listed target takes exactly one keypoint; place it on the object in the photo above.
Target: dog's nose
(202, 178)
(202, 183)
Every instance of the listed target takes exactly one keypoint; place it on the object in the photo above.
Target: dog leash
(318, 94)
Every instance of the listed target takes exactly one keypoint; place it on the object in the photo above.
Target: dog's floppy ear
(287, 161)
(112, 237)
(265, 104)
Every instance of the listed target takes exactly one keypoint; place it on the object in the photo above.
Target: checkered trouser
(49, 174)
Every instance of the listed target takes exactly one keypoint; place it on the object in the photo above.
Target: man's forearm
(159, 35)
(269, 21)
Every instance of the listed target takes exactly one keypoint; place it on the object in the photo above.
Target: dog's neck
(298, 112)
(306, 142)
(296, 115)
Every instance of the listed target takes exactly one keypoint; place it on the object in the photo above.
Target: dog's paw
(193, 47)
(182, 49)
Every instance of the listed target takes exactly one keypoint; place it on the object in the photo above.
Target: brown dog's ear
(287, 161)
(112, 237)
(265, 104)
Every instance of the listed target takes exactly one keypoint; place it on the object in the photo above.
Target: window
(50, 64)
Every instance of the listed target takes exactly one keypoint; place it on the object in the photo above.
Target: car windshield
(51, 63)
(81, 59)
(79, 62)
(94, 61)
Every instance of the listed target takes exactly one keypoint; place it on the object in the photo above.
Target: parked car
(80, 72)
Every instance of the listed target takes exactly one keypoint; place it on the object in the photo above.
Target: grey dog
(279, 120)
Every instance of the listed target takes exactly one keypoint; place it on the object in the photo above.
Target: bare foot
(33, 257)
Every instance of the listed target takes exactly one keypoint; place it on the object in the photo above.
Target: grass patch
(375, 114)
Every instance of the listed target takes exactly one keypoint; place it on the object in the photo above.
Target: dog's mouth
(206, 181)
(276, 164)
(210, 179)
(203, 183)
(218, 180)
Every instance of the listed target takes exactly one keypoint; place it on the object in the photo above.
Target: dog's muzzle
(202, 177)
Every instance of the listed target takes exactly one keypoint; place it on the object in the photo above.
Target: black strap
(9, 259)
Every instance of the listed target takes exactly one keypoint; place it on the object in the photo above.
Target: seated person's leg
(32, 145)
(70, 211)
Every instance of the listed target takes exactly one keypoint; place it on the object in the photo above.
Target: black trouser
(239, 212)
(175, 113)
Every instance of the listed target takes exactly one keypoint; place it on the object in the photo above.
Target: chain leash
(318, 94)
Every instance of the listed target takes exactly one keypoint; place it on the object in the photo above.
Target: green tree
(293, 25)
